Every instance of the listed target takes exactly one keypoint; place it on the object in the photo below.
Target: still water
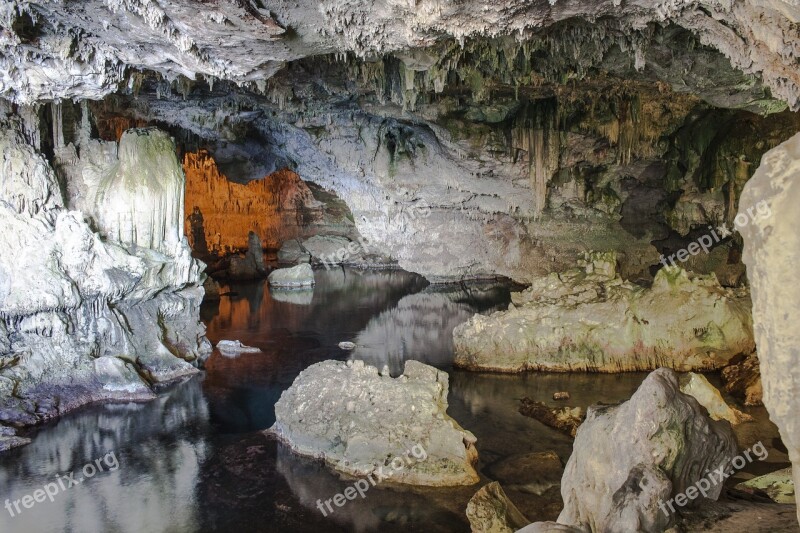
(195, 460)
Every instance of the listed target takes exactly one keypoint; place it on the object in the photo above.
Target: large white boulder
(300, 276)
(362, 423)
(629, 460)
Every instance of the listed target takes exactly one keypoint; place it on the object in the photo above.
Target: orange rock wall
(277, 207)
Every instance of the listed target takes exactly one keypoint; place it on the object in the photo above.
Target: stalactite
(535, 132)
(58, 126)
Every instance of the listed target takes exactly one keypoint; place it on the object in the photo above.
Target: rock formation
(629, 460)
(490, 511)
(140, 200)
(743, 379)
(277, 207)
(78, 308)
(697, 386)
(564, 419)
(355, 419)
(779, 485)
(250, 265)
(590, 319)
(300, 276)
(772, 253)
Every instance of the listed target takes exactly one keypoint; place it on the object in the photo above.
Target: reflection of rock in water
(296, 296)
(384, 508)
(487, 405)
(158, 480)
(421, 326)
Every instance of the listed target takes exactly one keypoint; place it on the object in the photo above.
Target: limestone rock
(9, 439)
(334, 250)
(779, 485)
(235, 348)
(533, 473)
(278, 206)
(211, 289)
(140, 201)
(628, 458)
(743, 379)
(697, 386)
(564, 419)
(772, 253)
(292, 252)
(549, 527)
(251, 266)
(291, 278)
(356, 419)
(490, 511)
(77, 309)
(590, 319)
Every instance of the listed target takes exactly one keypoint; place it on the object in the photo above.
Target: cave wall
(96, 304)
(221, 212)
(528, 153)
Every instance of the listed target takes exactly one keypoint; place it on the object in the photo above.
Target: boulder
(772, 254)
(292, 278)
(360, 421)
(490, 511)
(565, 419)
(779, 485)
(708, 396)
(743, 379)
(589, 319)
(532, 473)
(629, 460)
(235, 348)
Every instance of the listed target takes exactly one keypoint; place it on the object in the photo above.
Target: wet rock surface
(491, 511)
(743, 379)
(566, 419)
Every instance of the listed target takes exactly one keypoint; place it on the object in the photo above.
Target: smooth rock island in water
(292, 278)
(357, 419)
(589, 319)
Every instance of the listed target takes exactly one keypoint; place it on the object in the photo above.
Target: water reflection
(159, 446)
(420, 326)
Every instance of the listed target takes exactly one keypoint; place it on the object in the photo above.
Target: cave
(383, 266)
